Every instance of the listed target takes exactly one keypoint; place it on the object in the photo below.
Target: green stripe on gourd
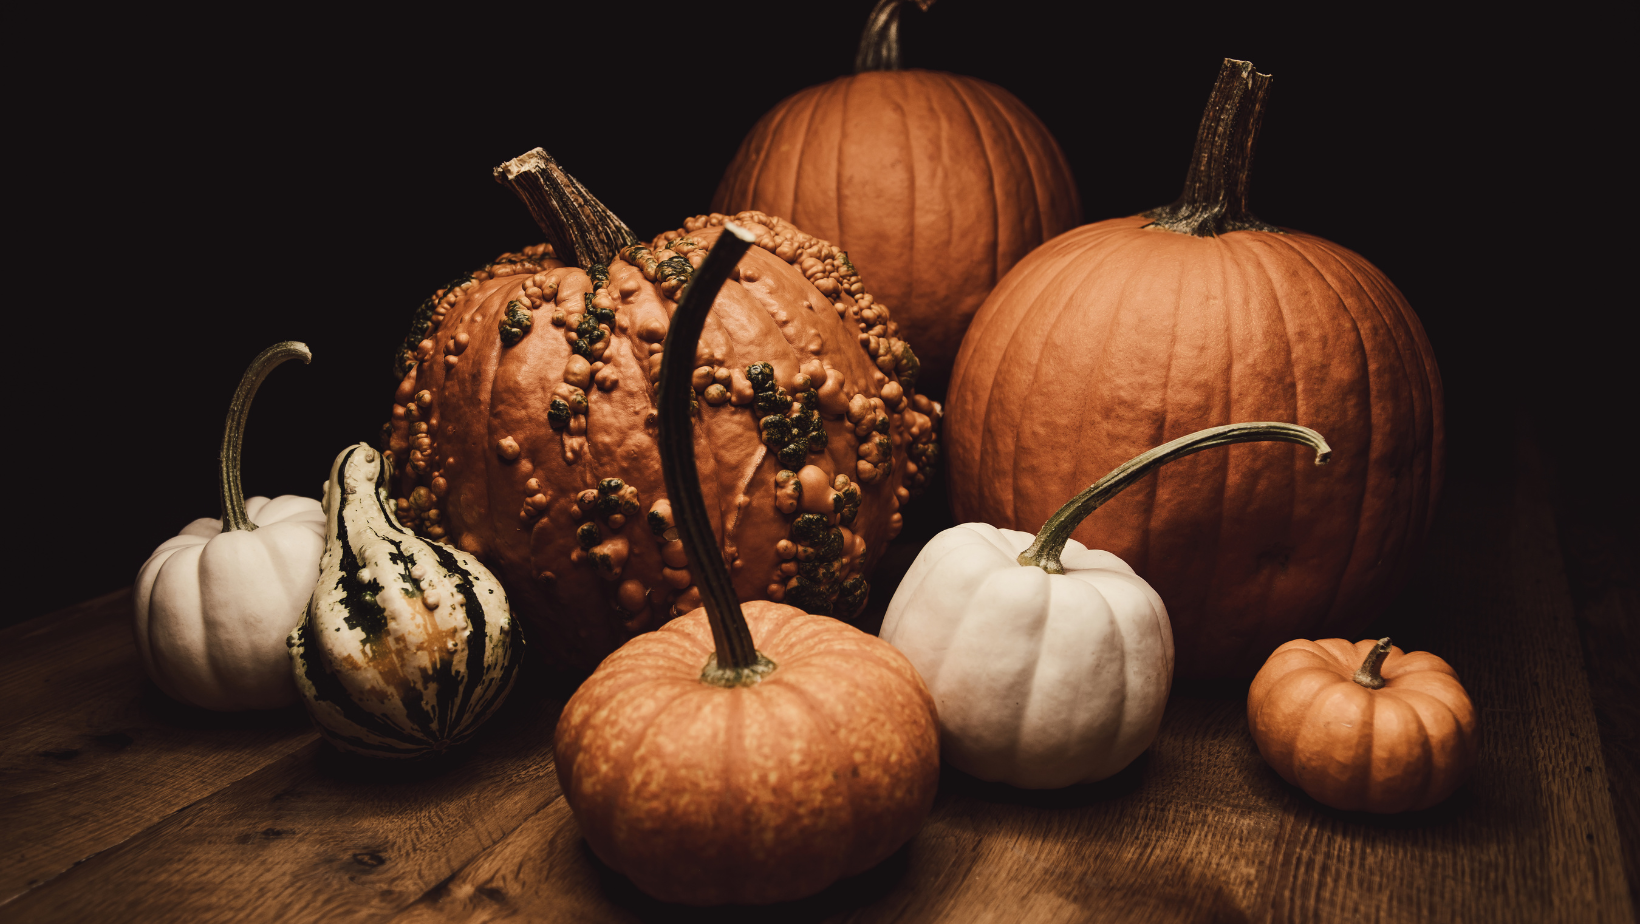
(408, 645)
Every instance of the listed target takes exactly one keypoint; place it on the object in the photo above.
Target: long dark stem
(233, 435)
(579, 227)
(880, 43)
(1214, 200)
(1368, 674)
(1050, 541)
(737, 661)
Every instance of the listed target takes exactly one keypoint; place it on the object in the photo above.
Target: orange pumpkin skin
(482, 463)
(935, 184)
(707, 795)
(1116, 337)
(1402, 747)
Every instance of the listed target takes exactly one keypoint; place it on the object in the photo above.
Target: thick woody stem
(1368, 674)
(1214, 200)
(737, 661)
(1050, 541)
(580, 229)
(880, 43)
(233, 434)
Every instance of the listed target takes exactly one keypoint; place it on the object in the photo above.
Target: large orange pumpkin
(734, 756)
(524, 424)
(935, 184)
(1127, 333)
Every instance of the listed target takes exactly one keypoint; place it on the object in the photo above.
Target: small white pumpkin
(215, 602)
(408, 645)
(1050, 663)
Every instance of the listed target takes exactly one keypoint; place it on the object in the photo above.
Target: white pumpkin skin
(1041, 680)
(408, 645)
(213, 608)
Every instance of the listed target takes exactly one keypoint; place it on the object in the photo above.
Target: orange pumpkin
(523, 428)
(935, 184)
(1363, 726)
(1128, 333)
(711, 770)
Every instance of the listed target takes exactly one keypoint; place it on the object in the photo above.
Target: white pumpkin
(409, 645)
(1050, 663)
(215, 602)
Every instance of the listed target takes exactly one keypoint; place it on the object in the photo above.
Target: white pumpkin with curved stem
(409, 645)
(215, 602)
(1050, 663)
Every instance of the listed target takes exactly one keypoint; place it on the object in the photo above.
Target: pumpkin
(1129, 332)
(1049, 662)
(408, 645)
(1363, 726)
(213, 603)
(524, 423)
(710, 769)
(935, 184)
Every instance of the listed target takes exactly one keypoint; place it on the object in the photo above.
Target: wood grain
(1198, 830)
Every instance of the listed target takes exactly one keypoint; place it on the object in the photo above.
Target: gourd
(523, 430)
(1126, 333)
(936, 184)
(213, 603)
(1363, 726)
(710, 769)
(408, 645)
(1050, 663)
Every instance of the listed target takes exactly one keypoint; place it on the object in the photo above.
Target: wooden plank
(1201, 829)
(316, 836)
(92, 752)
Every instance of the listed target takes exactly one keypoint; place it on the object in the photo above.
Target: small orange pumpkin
(711, 771)
(1363, 726)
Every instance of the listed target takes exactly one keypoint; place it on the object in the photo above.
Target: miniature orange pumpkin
(1130, 332)
(711, 770)
(523, 429)
(1363, 726)
(934, 183)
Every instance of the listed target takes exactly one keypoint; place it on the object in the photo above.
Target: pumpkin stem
(233, 435)
(1050, 542)
(580, 229)
(880, 43)
(1214, 200)
(1368, 674)
(737, 661)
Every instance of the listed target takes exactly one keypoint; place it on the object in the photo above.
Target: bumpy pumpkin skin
(508, 451)
(1115, 337)
(1403, 747)
(935, 184)
(633, 760)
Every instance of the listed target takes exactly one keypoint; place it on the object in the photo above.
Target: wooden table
(119, 805)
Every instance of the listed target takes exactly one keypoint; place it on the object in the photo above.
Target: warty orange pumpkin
(524, 425)
(934, 183)
(1363, 726)
(745, 757)
(1130, 332)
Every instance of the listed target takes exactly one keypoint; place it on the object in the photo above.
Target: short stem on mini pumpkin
(580, 229)
(880, 43)
(233, 435)
(1050, 542)
(737, 662)
(1368, 674)
(1214, 200)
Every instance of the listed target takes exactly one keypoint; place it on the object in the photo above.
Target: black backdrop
(190, 192)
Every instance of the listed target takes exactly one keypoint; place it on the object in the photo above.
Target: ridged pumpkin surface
(539, 457)
(1114, 338)
(818, 772)
(935, 184)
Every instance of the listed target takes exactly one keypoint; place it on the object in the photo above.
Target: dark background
(188, 192)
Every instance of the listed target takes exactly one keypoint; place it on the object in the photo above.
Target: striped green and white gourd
(408, 645)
